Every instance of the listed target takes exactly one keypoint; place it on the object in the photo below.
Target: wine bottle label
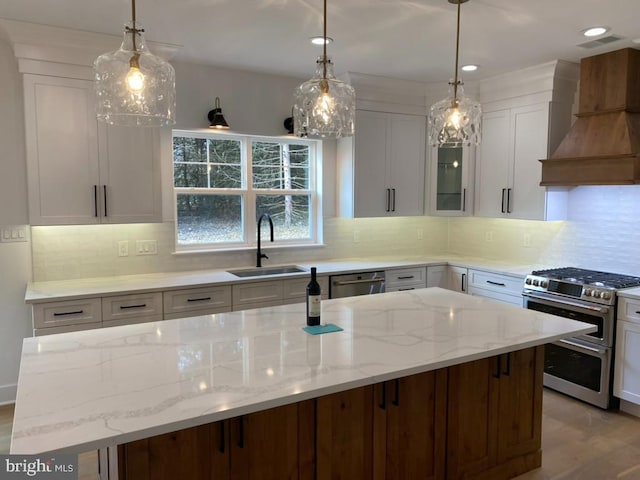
(314, 305)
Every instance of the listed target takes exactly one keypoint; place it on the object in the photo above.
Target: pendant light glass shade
(324, 107)
(133, 86)
(457, 120)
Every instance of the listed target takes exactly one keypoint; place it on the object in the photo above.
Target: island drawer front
(68, 312)
(130, 321)
(258, 292)
(503, 297)
(496, 282)
(406, 276)
(197, 313)
(131, 306)
(629, 310)
(196, 299)
(404, 287)
(39, 332)
(297, 287)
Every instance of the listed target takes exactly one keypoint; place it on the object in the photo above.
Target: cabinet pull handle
(388, 199)
(221, 445)
(62, 314)
(394, 199)
(405, 277)
(383, 400)
(125, 307)
(508, 200)
(404, 289)
(496, 374)
(104, 194)
(95, 200)
(503, 192)
(241, 432)
(638, 312)
(464, 277)
(508, 371)
(396, 395)
(496, 283)
(464, 199)
(198, 299)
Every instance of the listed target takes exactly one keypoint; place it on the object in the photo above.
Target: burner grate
(589, 277)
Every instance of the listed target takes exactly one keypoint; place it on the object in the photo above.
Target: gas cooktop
(589, 277)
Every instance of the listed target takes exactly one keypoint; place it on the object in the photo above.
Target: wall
(15, 258)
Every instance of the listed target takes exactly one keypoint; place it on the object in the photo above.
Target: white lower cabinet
(626, 383)
(500, 287)
(135, 308)
(275, 292)
(437, 276)
(401, 279)
(456, 278)
(192, 302)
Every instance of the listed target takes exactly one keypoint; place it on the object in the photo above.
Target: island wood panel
(410, 427)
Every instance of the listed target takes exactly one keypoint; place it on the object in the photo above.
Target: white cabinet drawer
(131, 320)
(629, 310)
(38, 332)
(131, 306)
(202, 300)
(251, 306)
(68, 312)
(504, 297)
(406, 276)
(258, 292)
(404, 288)
(297, 287)
(496, 282)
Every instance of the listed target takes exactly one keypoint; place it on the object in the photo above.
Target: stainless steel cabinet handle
(95, 200)
(355, 282)
(388, 199)
(104, 192)
(508, 200)
(464, 277)
(126, 307)
(198, 299)
(464, 199)
(62, 314)
(496, 283)
(393, 209)
(503, 192)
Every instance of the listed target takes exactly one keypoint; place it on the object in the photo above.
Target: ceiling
(408, 39)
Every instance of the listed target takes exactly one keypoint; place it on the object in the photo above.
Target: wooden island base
(479, 420)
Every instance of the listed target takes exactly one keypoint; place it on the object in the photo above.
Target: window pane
(290, 214)
(190, 175)
(226, 176)
(187, 149)
(204, 219)
(280, 166)
(224, 151)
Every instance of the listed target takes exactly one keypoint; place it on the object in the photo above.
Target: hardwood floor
(578, 442)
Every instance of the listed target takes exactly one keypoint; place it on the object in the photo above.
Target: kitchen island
(250, 391)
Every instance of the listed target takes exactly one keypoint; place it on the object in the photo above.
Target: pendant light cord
(455, 81)
(324, 49)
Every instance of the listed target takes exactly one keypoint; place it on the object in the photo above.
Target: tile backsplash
(602, 232)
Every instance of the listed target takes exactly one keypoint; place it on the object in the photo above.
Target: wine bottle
(313, 300)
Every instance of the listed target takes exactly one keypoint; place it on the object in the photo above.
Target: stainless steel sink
(261, 272)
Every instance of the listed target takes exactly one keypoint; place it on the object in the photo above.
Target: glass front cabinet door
(451, 181)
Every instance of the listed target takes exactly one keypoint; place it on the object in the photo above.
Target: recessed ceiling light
(319, 40)
(469, 68)
(595, 31)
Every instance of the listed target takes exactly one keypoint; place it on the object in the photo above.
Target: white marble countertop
(38, 292)
(632, 293)
(90, 389)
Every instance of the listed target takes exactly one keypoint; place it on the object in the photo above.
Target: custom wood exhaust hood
(603, 145)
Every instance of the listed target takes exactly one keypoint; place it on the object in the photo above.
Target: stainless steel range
(582, 366)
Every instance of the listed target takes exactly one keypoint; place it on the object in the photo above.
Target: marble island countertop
(91, 389)
(47, 291)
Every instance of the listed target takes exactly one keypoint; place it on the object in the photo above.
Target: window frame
(249, 194)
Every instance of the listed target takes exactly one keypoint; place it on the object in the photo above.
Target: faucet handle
(264, 255)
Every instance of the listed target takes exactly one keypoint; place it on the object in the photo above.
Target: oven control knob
(544, 283)
(536, 282)
(587, 292)
(605, 295)
(528, 281)
(595, 293)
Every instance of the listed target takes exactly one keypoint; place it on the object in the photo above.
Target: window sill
(264, 248)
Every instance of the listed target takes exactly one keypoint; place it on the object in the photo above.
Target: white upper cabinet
(381, 169)
(451, 181)
(508, 168)
(80, 172)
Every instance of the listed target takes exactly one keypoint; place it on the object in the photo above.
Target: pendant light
(324, 107)
(133, 86)
(456, 120)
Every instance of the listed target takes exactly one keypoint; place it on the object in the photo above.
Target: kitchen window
(224, 182)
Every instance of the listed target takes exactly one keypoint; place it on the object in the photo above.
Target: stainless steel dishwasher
(352, 284)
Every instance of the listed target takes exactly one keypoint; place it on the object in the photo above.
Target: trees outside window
(223, 183)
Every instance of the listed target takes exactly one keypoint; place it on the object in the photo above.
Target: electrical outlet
(488, 236)
(146, 247)
(356, 236)
(123, 248)
(420, 234)
(526, 240)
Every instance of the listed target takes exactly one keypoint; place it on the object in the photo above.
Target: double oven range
(582, 366)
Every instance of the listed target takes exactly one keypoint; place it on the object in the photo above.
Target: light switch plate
(13, 233)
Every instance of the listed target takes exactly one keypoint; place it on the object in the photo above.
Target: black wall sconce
(216, 118)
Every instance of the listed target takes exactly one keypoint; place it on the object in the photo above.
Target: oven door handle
(355, 282)
(580, 346)
(558, 302)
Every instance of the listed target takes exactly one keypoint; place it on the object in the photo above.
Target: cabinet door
(436, 276)
(61, 150)
(406, 163)
(492, 165)
(627, 374)
(472, 431)
(414, 429)
(344, 435)
(457, 279)
(530, 134)
(520, 411)
(129, 175)
(371, 144)
(266, 444)
(191, 454)
(450, 172)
